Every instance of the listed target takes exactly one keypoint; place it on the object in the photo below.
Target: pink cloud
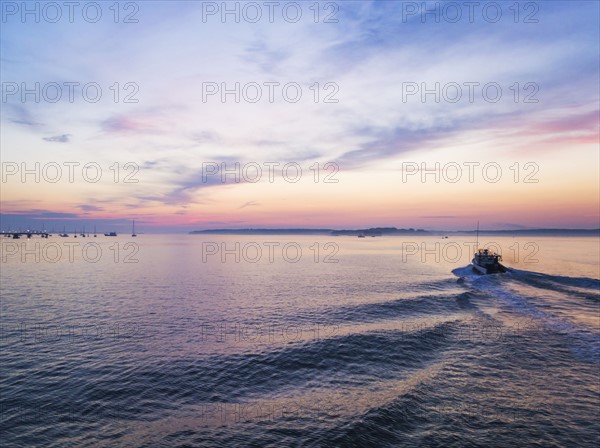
(574, 129)
(130, 124)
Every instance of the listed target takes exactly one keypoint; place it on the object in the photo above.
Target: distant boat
(95, 232)
(485, 261)
(133, 228)
(361, 235)
(111, 234)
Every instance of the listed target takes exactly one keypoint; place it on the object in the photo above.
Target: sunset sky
(376, 133)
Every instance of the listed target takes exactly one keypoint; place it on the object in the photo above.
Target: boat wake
(527, 294)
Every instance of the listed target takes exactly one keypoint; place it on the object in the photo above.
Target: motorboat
(488, 262)
(485, 261)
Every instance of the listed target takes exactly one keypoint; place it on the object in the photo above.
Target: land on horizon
(382, 231)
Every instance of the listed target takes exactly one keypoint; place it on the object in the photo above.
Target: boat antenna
(477, 244)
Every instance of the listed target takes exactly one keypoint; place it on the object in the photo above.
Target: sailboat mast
(477, 235)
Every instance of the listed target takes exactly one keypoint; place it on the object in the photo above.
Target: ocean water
(200, 340)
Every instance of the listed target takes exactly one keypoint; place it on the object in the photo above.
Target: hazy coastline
(383, 231)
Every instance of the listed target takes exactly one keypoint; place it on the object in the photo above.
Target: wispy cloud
(249, 204)
(19, 114)
(441, 217)
(127, 124)
(205, 137)
(43, 214)
(267, 58)
(63, 138)
(385, 143)
(90, 208)
(188, 185)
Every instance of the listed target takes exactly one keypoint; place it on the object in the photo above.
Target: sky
(198, 115)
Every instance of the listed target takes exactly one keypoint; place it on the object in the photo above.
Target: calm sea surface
(200, 340)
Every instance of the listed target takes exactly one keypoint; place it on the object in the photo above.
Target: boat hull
(497, 268)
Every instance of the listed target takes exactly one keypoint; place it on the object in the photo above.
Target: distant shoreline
(386, 231)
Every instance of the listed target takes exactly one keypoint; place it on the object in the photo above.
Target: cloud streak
(63, 138)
